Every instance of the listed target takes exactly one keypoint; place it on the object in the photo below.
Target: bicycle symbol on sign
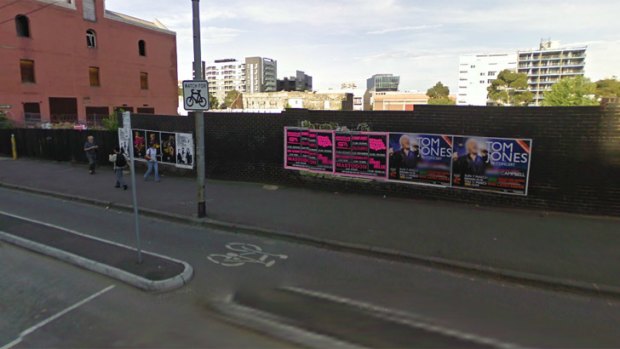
(243, 254)
(196, 97)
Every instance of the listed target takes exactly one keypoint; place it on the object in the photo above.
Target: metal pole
(199, 116)
(132, 167)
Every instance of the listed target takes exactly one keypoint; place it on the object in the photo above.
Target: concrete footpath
(552, 249)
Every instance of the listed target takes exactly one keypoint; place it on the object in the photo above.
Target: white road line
(54, 317)
(404, 318)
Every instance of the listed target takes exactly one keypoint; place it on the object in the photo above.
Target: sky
(338, 41)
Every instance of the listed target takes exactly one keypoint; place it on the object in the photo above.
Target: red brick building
(74, 61)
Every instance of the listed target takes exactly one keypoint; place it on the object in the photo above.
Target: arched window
(142, 48)
(91, 38)
(22, 24)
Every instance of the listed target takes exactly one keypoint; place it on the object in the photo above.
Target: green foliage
(438, 91)
(441, 101)
(570, 92)
(4, 121)
(439, 95)
(608, 88)
(213, 101)
(110, 122)
(233, 100)
(510, 89)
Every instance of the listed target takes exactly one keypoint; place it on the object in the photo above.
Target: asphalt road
(36, 287)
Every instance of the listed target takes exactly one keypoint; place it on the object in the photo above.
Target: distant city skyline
(351, 40)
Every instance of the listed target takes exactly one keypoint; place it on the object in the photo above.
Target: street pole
(132, 168)
(199, 115)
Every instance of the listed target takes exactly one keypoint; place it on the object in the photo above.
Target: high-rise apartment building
(477, 71)
(261, 75)
(383, 83)
(225, 75)
(548, 64)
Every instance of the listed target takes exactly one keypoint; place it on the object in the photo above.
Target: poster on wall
(420, 158)
(172, 148)
(185, 150)
(168, 148)
(495, 164)
(361, 154)
(295, 151)
(310, 150)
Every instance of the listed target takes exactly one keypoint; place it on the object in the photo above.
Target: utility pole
(199, 115)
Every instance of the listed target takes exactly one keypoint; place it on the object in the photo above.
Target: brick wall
(575, 161)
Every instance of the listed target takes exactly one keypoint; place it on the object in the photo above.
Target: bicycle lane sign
(196, 95)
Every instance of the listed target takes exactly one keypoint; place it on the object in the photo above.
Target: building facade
(383, 82)
(300, 82)
(476, 72)
(74, 61)
(278, 101)
(398, 101)
(261, 75)
(225, 75)
(548, 64)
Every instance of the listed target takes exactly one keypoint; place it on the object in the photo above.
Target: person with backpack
(120, 162)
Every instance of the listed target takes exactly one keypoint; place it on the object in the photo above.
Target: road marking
(404, 318)
(54, 317)
(243, 254)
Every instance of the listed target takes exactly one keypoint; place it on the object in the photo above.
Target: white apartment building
(548, 64)
(225, 75)
(477, 71)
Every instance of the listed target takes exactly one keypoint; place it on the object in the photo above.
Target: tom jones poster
(421, 158)
(496, 164)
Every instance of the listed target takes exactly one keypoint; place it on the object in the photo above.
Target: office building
(383, 82)
(477, 71)
(300, 82)
(548, 64)
(398, 101)
(74, 61)
(225, 75)
(261, 75)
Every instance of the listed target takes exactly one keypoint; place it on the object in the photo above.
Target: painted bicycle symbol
(243, 253)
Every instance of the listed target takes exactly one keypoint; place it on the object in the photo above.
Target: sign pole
(199, 115)
(132, 167)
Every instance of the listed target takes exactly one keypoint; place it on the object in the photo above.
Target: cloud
(404, 29)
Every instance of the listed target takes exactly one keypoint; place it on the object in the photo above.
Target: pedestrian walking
(151, 161)
(90, 148)
(120, 162)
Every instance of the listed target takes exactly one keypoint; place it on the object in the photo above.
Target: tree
(608, 88)
(510, 89)
(233, 100)
(439, 95)
(569, 92)
(214, 103)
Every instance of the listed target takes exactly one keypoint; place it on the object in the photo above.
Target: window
(91, 38)
(144, 81)
(473, 66)
(142, 48)
(146, 110)
(22, 25)
(483, 74)
(27, 70)
(482, 82)
(32, 114)
(89, 10)
(492, 73)
(93, 74)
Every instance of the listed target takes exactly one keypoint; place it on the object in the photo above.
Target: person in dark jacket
(120, 162)
(90, 148)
